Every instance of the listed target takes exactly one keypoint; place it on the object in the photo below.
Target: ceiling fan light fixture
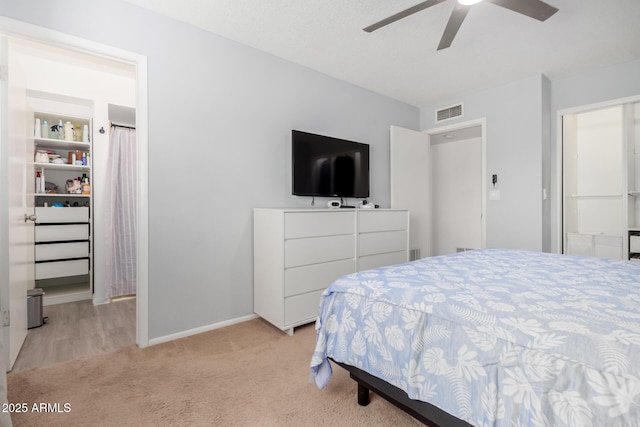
(536, 9)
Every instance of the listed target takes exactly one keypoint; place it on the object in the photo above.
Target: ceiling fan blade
(535, 9)
(455, 21)
(403, 14)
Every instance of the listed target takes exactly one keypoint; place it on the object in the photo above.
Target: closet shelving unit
(63, 235)
(632, 136)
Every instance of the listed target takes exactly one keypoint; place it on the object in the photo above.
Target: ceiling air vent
(449, 113)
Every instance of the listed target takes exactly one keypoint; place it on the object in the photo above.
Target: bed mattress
(494, 337)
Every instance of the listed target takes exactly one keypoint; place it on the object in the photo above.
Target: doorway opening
(600, 180)
(101, 53)
(456, 190)
(418, 183)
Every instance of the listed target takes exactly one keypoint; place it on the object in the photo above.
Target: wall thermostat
(334, 204)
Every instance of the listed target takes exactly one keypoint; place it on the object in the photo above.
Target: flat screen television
(323, 166)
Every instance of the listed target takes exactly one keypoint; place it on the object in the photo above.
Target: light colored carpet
(249, 374)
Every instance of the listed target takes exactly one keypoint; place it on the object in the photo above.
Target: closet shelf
(595, 196)
(64, 166)
(60, 195)
(61, 144)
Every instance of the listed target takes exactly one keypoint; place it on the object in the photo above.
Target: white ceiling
(494, 45)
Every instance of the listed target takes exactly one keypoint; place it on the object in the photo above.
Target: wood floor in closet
(78, 329)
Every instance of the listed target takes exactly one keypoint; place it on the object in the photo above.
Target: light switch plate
(494, 194)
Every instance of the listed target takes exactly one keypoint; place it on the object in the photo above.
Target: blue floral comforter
(494, 337)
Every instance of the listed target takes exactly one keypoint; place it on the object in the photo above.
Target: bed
(490, 337)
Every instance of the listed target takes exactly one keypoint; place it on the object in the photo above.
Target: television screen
(329, 167)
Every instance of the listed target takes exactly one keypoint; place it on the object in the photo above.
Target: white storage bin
(580, 244)
(634, 243)
(608, 246)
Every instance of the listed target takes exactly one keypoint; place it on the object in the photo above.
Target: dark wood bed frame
(422, 411)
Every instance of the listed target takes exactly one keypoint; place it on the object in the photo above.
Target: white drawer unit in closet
(62, 242)
(383, 238)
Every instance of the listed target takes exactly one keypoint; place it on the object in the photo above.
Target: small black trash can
(34, 308)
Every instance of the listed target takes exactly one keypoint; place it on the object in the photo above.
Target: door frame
(482, 122)
(559, 185)
(15, 28)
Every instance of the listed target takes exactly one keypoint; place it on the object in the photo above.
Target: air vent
(448, 113)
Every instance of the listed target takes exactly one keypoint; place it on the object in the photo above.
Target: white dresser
(297, 253)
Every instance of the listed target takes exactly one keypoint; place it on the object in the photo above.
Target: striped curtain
(120, 215)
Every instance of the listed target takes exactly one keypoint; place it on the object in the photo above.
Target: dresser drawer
(60, 233)
(386, 241)
(49, 270)
(310, 224)
(62, 251)
(382, 260)
(299, 280)
(301, 308)
(315, 250)
(49, 214)
(375, 220)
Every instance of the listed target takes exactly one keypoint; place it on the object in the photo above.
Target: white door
(410, 185)
(17, 192)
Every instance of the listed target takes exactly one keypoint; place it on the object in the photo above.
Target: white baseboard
(100, 301)
(201, 329)
(52, 298)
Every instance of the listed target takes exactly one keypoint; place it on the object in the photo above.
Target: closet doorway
(456, 190)
(74, 45)
(439, 175)
(601, 180)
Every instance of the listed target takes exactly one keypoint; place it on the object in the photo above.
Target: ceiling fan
(536, 9)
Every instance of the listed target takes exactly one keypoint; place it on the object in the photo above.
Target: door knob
(30, 218)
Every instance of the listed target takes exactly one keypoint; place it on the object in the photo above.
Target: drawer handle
(30, 218)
